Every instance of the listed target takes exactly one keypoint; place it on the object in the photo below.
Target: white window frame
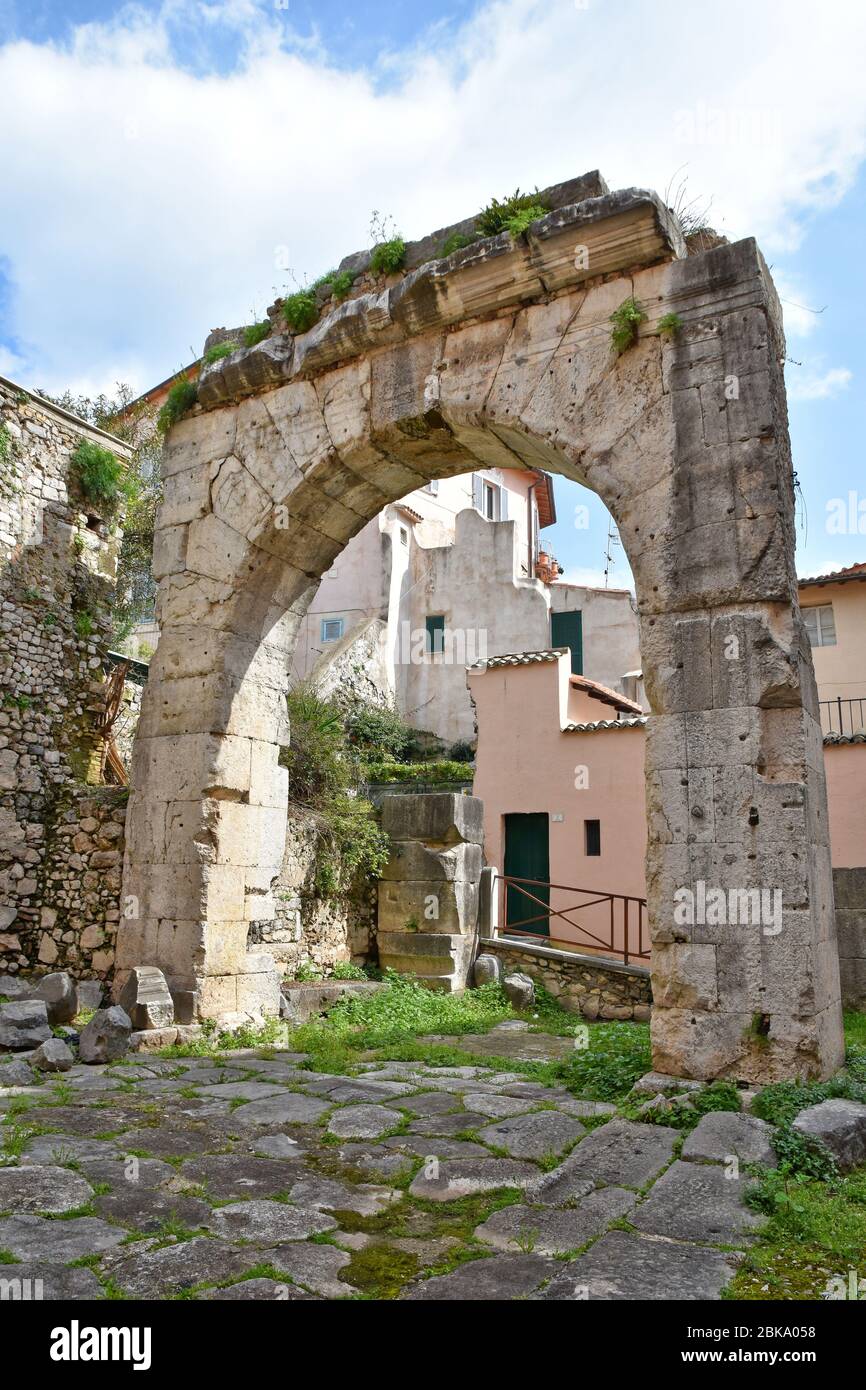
(328, 623)
(820, 623)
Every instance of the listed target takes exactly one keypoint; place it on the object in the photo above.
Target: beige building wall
(840, 668)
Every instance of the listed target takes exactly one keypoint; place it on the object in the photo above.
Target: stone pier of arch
(500, 356)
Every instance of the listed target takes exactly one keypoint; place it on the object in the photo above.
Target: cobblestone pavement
(251, 1177)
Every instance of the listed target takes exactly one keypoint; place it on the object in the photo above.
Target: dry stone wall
(58, 903)
(596, 990)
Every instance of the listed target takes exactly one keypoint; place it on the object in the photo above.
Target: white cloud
(145, 200)
(815, 386)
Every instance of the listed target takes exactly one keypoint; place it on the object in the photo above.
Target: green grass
(397, 1014)
(816, 1234)
(617, 1055)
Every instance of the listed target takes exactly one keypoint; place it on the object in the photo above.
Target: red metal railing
(618, 927)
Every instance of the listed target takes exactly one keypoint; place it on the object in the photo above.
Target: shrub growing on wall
(99, 474)
(323, 776)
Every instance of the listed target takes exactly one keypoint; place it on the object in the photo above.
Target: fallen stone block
(53, 1055)
(90, 994)
(14, 989)
(840, 1125)
(60, 993)
(487, 970)
(23, 1025)
(106, 1036)
(520, 991)
(146, 998)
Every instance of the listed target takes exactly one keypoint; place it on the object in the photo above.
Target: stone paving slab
(497, 1107)
(623, 1152)
(316, 1267)
(38, 1238)
(697, 1201)
(447, 1126)
(144, 1210)
(42, 1187)
(288, 1108)
(625, 1267)
(37, 1281)
(267, 1223)
(362, 1122)
(500, 1277)
(235, 1176)
(461, 1177)
(152, 1273)
(324, 1194)
(66, 1148)
(551, 1230)
(257, 1290)
(533, 1136)
(428, 1103)
(723, 1134)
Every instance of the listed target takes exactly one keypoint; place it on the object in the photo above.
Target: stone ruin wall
(309, 928)
(61, 841)
(606, 990)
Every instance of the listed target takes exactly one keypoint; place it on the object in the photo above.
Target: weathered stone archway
(501, 355)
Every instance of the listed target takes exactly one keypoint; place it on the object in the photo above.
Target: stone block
(106, 1037)
(60, 993)
(435, 906)
(146, 999)
(435, 818)
(23, 1024)
(411, 861)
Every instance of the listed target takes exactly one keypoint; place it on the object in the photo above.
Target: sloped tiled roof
(605, 694)
(843, 576)
(845, 738)
(635, 723)
(519, 659)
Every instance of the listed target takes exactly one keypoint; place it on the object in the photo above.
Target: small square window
(592, 838)
(432, 486)
(820, 625)
(404, 536)
(332, 629)
(435, 634)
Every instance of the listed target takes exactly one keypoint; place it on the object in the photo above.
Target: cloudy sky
(169, 167)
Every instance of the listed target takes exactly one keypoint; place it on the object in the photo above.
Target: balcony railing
(841, 716)
(609, 925)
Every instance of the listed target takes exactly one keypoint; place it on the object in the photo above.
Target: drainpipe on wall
(530, 496)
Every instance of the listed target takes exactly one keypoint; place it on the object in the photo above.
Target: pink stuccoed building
(560, 768)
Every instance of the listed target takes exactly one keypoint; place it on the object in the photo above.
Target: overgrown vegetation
(670, 325)
(256, 332)
(220, 350)
(5, 443)
(181, 397)
(134, 423)
(513, 214)
(301, 309)
(626, 321)
(323, 778)
(388, 256)
(100, 476)
(441, 770)
(456, 242)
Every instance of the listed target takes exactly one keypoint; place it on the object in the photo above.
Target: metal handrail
(838, 717)
(634, 912)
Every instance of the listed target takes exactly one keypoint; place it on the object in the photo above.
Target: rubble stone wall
(58, 902)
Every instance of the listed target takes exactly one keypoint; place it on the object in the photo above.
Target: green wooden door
(566, 630)
(527, 855)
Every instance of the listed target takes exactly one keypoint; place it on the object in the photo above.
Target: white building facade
(453, 573)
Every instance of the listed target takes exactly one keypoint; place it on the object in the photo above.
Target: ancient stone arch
(501, 355)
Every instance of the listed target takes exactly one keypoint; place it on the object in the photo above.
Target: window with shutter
(435, 634)
(332, 629)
